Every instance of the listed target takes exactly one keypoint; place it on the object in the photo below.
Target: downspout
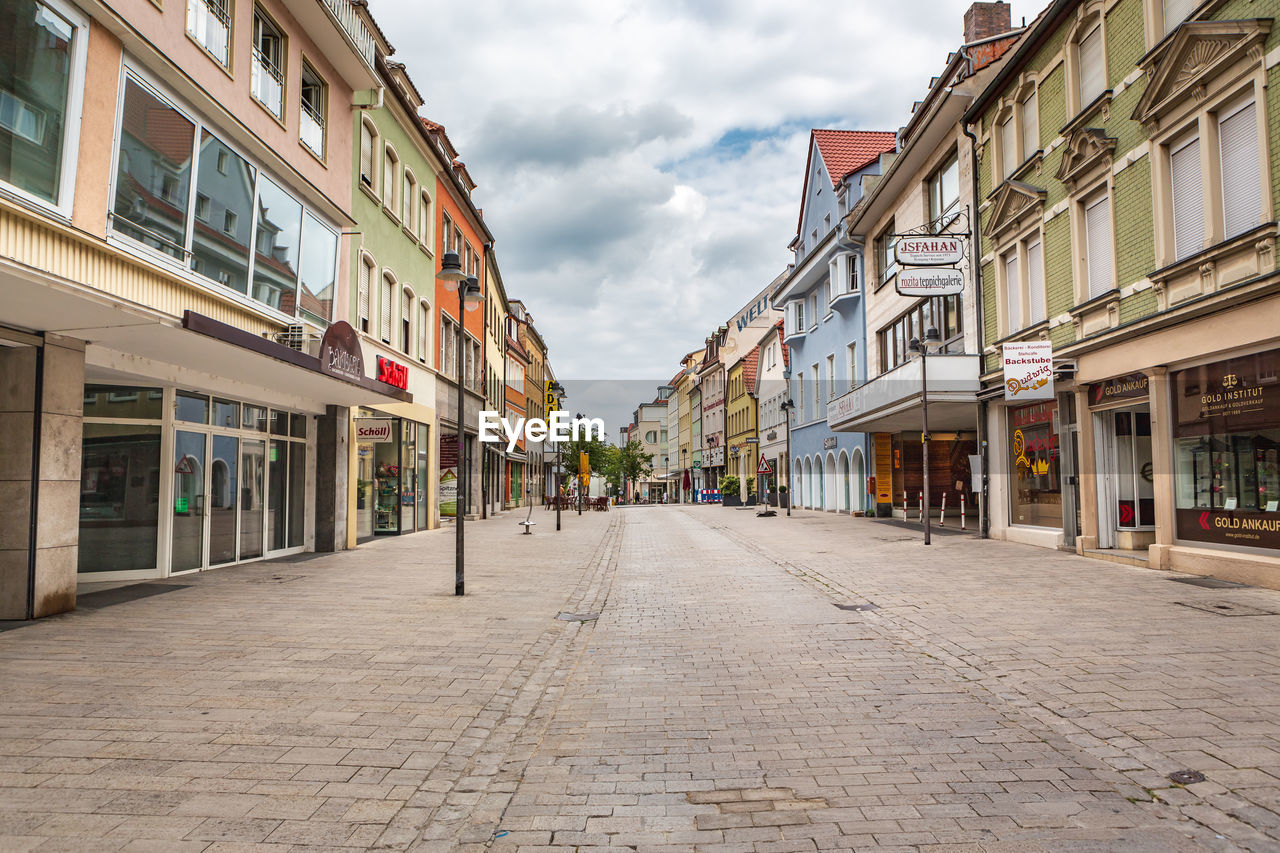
(37, 427)
(984, 506)
(484, 385)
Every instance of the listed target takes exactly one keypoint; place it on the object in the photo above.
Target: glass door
(1135, 495)
(224, 497)
(189, 501)
(277, 495)
(253, 459)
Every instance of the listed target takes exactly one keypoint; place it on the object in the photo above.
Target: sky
(640, 164)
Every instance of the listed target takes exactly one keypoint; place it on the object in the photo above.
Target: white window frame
(72, 119)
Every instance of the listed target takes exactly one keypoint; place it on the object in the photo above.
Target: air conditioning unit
(294, 336)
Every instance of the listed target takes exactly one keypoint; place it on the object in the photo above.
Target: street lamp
(932, 341)
(558, 390)
(578, 417)
(684, 470)
(788, 406)
(469, 298)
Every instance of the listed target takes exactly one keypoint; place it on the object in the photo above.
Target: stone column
(1088, 476)
(1162, 464)
(41, 408)
(332, 450)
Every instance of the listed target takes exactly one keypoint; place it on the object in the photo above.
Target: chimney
(984, 20)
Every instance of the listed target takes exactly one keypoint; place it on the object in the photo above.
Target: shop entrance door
(1126, 492)
(189, 501)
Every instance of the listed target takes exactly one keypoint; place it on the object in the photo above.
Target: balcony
(891, 401)
(361, 38)
(343, 39)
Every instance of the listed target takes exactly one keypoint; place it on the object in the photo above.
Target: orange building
(516, 407)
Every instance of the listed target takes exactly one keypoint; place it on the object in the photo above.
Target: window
(368, 145)
(884, 253)
(1241, 189)
(1174, 12)
(424, 220)
(813, 310)
(1013, 292)
(1097, 223)
(407, 194)
(1036, 311)
(314, 110)
(941, 312)
(448, 346)
(406, 320)
(1091, 67)
(386, 306)
(799, 395)
(209, 23)
(944, 191)
(267, 76)
(202, 207)
(424, 330)
(157, 162)
(366, 271)
(1187, 196)
(390, 178)
(817, 392)
(831, 376)
(1009, 159)
(446, 233)
(1029, 112)
(851, 359)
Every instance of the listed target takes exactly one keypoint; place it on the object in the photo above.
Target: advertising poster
(448, 476)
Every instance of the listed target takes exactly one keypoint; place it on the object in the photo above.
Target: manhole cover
(1186, 777)
(1227, 608)
(1209, 583)
(860, 607)
(578, 617)
(277, 579)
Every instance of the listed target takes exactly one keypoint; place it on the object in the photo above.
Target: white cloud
(640, 163)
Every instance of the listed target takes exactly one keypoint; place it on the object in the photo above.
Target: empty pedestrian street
(651, 678)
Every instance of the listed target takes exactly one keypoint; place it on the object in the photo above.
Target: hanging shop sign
(373, 430)
(393, 373)
(340, 352)
(928, 251)
(1131, 386)
(943, 281)
(1028, 370)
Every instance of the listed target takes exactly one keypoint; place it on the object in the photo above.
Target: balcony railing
(346, 16)
(268, 84)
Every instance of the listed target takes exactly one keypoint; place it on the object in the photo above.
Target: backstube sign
(928, 251)
(930, 282)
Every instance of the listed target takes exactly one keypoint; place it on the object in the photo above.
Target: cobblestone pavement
(714, 681)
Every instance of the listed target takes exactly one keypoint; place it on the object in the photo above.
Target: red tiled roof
(786, 353)
(846, 151)
(749, 365)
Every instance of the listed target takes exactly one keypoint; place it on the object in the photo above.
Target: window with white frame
(1029, 118)
(406, 320)
(424, 330)
(831, 376)
(944, 189)
(446, 233)
(41, 88)
(1174, 12)
(1187, 196)
(1239, 161)
(390, 178)
(267, 65)
(368, 153)
(1091, 66)
(313, 109)
(1099, 261)
(209, 23)
(813, 310)
(424, 219)
(888, 267)
(851, 363)
(363, 284)
(386, 306)
(448, 346)
(408, 191)
(1009, 159)
(1013, 292)
(164, 156)
(1036, 304)
(817, 392)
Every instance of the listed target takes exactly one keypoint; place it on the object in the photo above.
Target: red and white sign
(764, 467)
(930, 282)
(373, 430)
(1028, 370)
(393, 373)
(928, 251)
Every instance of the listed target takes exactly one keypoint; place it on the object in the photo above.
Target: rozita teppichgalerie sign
(1028, 370)
(930, 281)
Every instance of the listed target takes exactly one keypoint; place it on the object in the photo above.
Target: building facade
(771, 392)
(743, 442)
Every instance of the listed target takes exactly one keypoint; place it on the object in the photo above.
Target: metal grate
(1209, 583)
(1227, 608)
(578, 617)
(865, 608)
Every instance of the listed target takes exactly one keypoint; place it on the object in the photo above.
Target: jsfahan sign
(926, 251)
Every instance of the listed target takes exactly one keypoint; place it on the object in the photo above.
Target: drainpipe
(984, 506)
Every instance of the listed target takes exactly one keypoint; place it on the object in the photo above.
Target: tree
(627, 464)
(597, 453)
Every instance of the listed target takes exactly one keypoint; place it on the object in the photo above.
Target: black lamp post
(684, 462)
(788, 406)
(558, 390)
(469, 296)
(932, 340)
(577, 417)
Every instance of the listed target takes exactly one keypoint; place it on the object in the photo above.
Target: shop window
(254, 418)
(209, 23)
(313, 110)
(267, 76)
(224, 256)
(1134, 476)
(1035, 494)
(297, 425)
(41, 83)
(192, 408)
(226, 413)
(119, 497)
(123, 402)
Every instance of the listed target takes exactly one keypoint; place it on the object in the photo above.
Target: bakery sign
(340, 352)
(1028, 370)
(928, 251)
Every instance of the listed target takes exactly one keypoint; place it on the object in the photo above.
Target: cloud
(641, 164)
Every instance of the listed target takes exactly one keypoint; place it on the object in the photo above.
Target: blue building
(825, 327)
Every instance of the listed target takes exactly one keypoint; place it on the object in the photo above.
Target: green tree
(627, 464)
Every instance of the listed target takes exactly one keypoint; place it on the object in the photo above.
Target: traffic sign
(764, 467)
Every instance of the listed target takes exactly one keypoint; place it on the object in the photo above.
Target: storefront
(1034, 459)
(393, 466)
(1120, 411)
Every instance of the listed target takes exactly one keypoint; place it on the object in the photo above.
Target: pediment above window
(1086, 149)
(1011, 204)
(1197, 52)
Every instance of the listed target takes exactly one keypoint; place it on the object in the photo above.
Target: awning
(892, 402)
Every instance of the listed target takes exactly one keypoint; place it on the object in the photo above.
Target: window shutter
(1188, 200)
(1008, 153)
(1013, 292)
(1035, 282)
(1176, 11)
(1097, 223)
(1030, 126)
(1241, 193)
(1092, 69)
(366, 155)
(424, 321)
(363, 296)
(388, 294)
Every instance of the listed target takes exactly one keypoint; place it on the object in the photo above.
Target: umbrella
(687, 482)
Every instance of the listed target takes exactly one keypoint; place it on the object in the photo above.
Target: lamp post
(469, 296)
(932, 340)
(578, 417)
(788, 406)
(558, 390)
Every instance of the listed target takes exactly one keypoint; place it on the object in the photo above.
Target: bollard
(962, 510)
(942, 511)
(920, 516)
(905, 506)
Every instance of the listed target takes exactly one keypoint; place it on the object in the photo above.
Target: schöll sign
(926, 251)
(930, 282)
(373, 430)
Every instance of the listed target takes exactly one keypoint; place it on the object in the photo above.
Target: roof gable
(841, 153)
